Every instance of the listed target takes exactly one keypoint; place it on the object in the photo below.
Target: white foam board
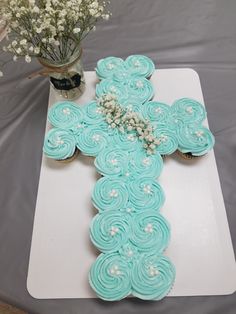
(200, 247)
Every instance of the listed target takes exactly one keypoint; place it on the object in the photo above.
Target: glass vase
(67, 79)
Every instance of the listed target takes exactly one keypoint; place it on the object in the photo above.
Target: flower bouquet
(52, 31)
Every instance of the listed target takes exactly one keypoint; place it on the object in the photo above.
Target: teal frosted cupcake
(168, 142)
(156, 112)
(140, 89)
(143, 164)
(65, 115)
(60, 145)
(93, 113)
(145, 194)
(152, 276)
(140, 65)
(110, 230)
(108, 66)
(188, 110)
(92, 140)
(194, 141)
(112, 161)
(108, 86)
(110, 194)
(150, 231)
(110, 276)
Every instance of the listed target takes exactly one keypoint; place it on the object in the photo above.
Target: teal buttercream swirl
(93, 113)
(110, 230)
(108, 66)
(110, 277)
(140, 89)
(59, 144)
(152, 276)
(156, 111)
(147, 165)
(132, 105)
(150, 231)
(146, 194)
(108, 86)
(92, 140)
(140, 65)
(112, 161)
(65, 114)
(110, 193)
(188, 110)
(128, 141)
(168, 142)
(122, 76)
(196, 140)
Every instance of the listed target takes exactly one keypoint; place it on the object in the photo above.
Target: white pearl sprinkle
(158, 110)
(113, 193)
(110, 66)
(59, 141)
(66, 111)
(164, 138)
(147, 189)
(199, 133)
(98, 110)
(130, 253)
(153, 271)
(127, 174)
(189, 109)
(129, 210)
(113, 89)
(114, 230)
(148, 228)
(137, 64)
(146, 161)
(139, 84)
(113, 161)
(96, 137)
(131, 137)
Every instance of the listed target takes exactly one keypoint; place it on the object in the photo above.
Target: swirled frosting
(146, 194)
(150, 231)
(59, 144)
(128, 141)
(93, 113)
(196, 140)
(140, 65)
(152, 276)
(65, 114)
(132, 105)
(147, 165)
(108, 66)
(110, 277)
(110, 230)
(108, 86)
(168, 140)
(110, 193)
(112, 161)
(156, 111)
(188, 110)
(92, 140)
(140, 89)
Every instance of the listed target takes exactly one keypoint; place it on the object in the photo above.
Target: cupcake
(194, 141)
(140, 65)
(108, 66)
(60, 145)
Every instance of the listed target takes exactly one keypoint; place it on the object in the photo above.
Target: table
(184, 33)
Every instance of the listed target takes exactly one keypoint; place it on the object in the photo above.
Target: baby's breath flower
(27, 58)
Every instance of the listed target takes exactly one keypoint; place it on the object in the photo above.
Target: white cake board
(200, 247)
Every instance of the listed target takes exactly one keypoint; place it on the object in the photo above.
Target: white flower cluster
(125, 120)
(51, 29)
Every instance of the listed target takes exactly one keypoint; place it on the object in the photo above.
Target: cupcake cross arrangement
(128, 134)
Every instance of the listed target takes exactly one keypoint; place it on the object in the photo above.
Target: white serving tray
(200, 247)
